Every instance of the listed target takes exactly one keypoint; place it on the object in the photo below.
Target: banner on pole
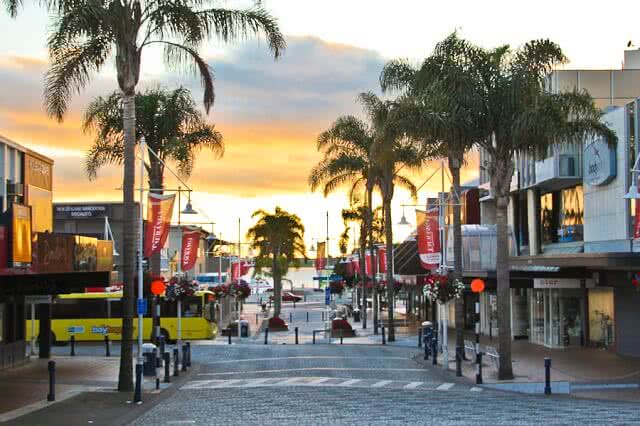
(428, 239)
(190, 242)
(159, 211)
(382, 259)
(321, 259)
(367, 263)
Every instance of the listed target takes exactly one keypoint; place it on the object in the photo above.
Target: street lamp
(633, 188)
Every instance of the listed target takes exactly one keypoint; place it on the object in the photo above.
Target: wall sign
(75, 211)
(37, 172)
(599, 163)
(562, 283)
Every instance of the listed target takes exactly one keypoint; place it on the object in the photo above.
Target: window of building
(522, 221)
(548, 221)
(562, 215)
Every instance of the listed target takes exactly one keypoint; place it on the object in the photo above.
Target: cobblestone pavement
(364, 384)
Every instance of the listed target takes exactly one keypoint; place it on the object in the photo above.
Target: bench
(492, 353)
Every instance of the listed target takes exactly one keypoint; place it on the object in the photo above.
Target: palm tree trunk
(505, 372)
(363, 274)
(454, 166)
(388, 229)
(125, 378)
(277, 285)
(373, 258)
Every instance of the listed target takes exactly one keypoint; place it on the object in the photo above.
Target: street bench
(492, 353)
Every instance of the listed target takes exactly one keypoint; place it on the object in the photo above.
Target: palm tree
(85, 34)
(502, 91)
(279, 238)
(391, 151)
(434, 118)
(346, 148)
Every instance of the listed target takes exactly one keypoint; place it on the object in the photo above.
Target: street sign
(36, 299)
(142, 306)
(327, 296)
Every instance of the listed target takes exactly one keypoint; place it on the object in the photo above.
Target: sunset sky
(271, 112)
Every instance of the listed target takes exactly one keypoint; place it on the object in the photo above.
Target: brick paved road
(363, 384)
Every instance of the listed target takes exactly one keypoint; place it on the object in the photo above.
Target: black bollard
(266, 335)
(427, 342)
(290, 317)
(314, 337)
(479, 368)
(384, 339)
(547, 376)
(307, 316)
(73, 345)
(294, 304)
(434, 348)
(188, 354)
(322, 316)
(52, 381)
(341, 335)
(167, 366)
(107, 346)
(176, 362)
(184, 357)
(229, 336)
(161, 342)
(458, 362)
(137, 394)
(420, 337)
(157, 382)
(296, 330)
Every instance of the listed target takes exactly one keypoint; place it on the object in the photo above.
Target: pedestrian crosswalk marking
(412, 385)
(284, 370)
(445, 386)
(256, 382)
(350, 382)
(475, 389)
(319, 381)
(290, 381)
(381, 383)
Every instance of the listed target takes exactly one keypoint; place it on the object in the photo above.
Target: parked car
(287, 296)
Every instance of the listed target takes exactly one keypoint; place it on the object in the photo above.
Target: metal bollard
(458, 362)
(229, 336)
(323, 316)
(157, 382)
(107, 346)
(290, 317)
(188, 354)
(176, 362)
(294, 304)
(420, 337)
(184, 357)
(266, 335)
(73, 345)
(547, 376)
(137, 394)
(434, 348)
(161, 343)
(296, 330)
(479, 368)
(307, 316)
(167, 366)
(314, 337)
(341, 335)
(51, 366)
(384, 339)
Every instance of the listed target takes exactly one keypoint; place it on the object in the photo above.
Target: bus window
(116, 308)
(210, 311)
(79, 308)
(192, 307)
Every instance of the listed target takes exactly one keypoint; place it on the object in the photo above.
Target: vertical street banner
(428, 239)
(235, 271)
(382, 259)
(636, 223)
(190, 242)
(245, 267)
(355, 262)
(367, 263)
(321, 256)
(159, 211)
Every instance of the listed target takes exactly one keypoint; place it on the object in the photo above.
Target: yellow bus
(91, 316)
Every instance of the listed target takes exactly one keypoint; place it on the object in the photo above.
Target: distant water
(299, 277)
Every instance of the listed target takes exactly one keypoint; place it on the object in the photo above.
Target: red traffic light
(477, 285)
(157, 287)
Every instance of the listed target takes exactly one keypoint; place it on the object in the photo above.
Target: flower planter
(277, 324)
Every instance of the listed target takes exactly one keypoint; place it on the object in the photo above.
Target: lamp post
(138, 386)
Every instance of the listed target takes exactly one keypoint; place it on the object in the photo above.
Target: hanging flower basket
(337, 287)
(178, 289)
(442, 289)
(241, 290)
(220, 291)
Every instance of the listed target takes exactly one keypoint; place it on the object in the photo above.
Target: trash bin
(149, 352)
(244, 328)
(356, 315)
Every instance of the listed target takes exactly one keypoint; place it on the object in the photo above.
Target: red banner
(367, 263)
(428, 239)
(636, 224)
(355, 262)
(382, 260)
(244, 268)
(321, 260)
(159, 211)
(235, 271)
(190, 243)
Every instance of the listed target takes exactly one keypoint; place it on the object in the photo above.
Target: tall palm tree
(434, 118)
(346, 148)
(503, 94)
(391, 151)
(279, 238)
(86, 33)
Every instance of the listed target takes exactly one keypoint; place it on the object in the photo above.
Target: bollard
(420, 337)
(296, 330)
(229, 336)
(547, 376)
(479, 368)
(384, 339)
(322, 316)
(427, 342)
(314, 337)
(266, 335)
(73, 345)
(256, 318)
(161, 343)
(434, 348)
(294, 304)
(184, 357)
(137, 394)
(458, 362)
(52, 381)
(341, 335)
(290, 317)
(157, 382)
(188, 354)
(107, 346)
(167, 366)
(307, 316)
(176, 362)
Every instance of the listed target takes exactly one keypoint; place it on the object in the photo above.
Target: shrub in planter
(277, 323)
(341, 327)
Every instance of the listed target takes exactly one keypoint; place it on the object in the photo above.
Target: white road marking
(181, 422)
(228, 373)
(290, 381)
(350, 382)
(412, 385)
(445, 386)
(475, 389)
(318, 381)
(304, 357)
(255, 382)
(381, 383)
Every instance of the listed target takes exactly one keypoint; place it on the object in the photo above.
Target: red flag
(367, 263)
(428, 239)
(190, 243)
(382, 260)
(159, 212)
(321, 260)
(244, 268)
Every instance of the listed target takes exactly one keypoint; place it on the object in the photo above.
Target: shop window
(601, 317)
(562, 215)
(548, 222)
